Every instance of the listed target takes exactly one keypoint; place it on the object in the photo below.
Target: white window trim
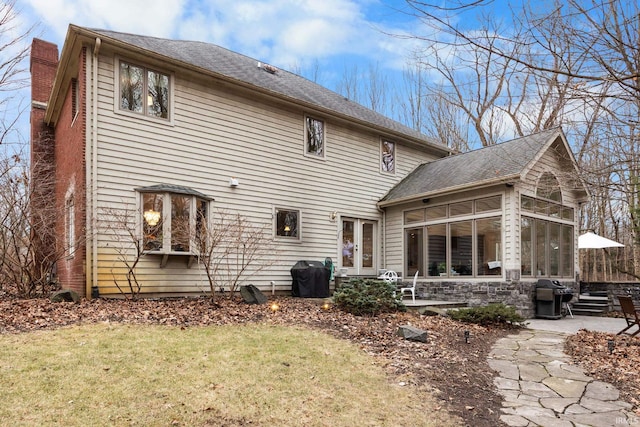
(142, 116)
(75, 99)
(324, 138)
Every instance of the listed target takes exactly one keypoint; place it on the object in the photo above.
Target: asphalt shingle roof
(244, 69)
(493, 163)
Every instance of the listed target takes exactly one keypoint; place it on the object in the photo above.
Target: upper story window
(314, 137)
(388, 157)
(173, 218)
(75, 98)
(144, 91)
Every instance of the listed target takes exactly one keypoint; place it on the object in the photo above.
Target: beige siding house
(179, 132)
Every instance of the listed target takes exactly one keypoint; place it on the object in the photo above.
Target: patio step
(591, 305)
(587, 311)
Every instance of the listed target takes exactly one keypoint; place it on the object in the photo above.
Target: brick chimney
(44, 62)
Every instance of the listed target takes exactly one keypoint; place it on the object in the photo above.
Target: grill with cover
(310, 279)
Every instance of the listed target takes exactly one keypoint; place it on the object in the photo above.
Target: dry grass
(259, 375)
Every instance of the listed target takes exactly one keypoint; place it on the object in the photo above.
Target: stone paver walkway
(542, 388)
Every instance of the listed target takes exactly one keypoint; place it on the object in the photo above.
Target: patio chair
(631, 315)
(412, 289)
(389, 276)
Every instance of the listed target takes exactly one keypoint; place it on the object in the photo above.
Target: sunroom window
(457, 239)
(144, 91)
(173, 219)
(546, 231)
(546, 235)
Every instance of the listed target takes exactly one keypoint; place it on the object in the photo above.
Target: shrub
(492, 314)
(368, 297)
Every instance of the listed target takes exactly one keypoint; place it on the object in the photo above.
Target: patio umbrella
(591, 240)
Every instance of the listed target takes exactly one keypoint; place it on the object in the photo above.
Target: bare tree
(232, 249)
(120, 224)
(14, 49)
(581, 61)
(26, 269)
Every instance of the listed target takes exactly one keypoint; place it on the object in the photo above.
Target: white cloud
(156, 18)
(285, 33)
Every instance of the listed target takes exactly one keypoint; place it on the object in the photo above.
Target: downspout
(384, 234)
(92, 170)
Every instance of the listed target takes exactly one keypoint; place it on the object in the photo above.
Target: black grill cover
(310, 279)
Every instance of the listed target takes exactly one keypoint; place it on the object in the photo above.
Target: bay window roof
(174, 189)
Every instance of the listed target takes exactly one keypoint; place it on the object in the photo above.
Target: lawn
(232, 375)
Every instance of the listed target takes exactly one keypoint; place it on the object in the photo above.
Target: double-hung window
(144, 91)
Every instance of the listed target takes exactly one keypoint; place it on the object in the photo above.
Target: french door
(359, 246)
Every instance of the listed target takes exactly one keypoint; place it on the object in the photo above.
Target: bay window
(172, 220)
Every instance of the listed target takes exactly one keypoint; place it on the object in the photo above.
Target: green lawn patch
(260, 375)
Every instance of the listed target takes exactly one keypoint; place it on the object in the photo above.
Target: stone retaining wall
(518, 294)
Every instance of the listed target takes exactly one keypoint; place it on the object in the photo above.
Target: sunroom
(484, 226)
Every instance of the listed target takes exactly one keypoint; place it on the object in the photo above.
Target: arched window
(549, 188)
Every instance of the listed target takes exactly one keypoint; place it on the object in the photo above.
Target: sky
(299, 35)
(323, 40)
(319, 39)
